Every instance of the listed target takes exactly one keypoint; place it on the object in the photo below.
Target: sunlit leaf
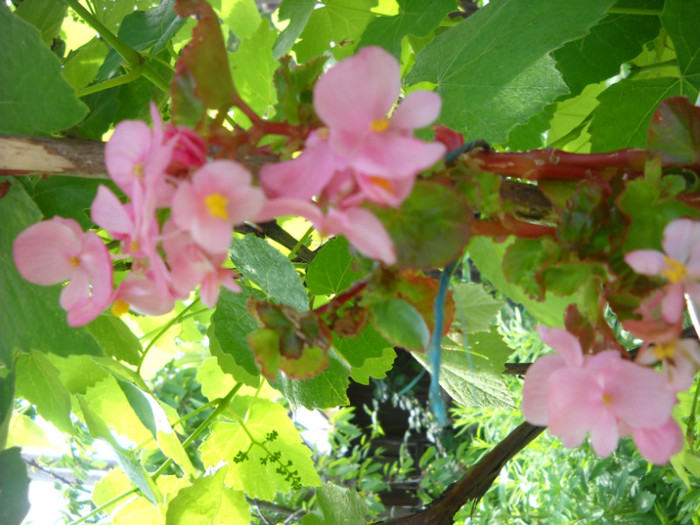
(475, 307)
(340, 506)
(333, 269)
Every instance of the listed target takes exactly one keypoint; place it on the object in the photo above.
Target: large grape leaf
(338, 21)
(46, 15)
(493, 70)
(258, 475)
(475, 307)
(30, 315)
(415, 17)
(625, 109)
(368, 353)
(340, 506)
(615, 39)
(680, 20)
(35, 99)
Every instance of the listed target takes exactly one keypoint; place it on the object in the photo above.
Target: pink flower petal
(536, 388)
(363, 230)
(418, 110)
(44, 252)
(358, 90)
(660, 443)
(288, 207)
(680, 236)
(646, 262)
(574, 403)
(604, 434)
(126, 152)
(109, 213)
(673, 303)
(566, 345)
(391, 155)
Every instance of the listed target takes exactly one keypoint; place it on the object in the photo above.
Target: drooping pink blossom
(141, 292)
(660, 443)
(218, 197)
(602, 395)
(679, 263)
(58, 250)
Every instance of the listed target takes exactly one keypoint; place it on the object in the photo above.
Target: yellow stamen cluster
(138, 170)
(382, 183)
(323, 133)
(216, 204)
(380, 125)
(120, 308)
(74, 261)
(674, 270)
(607, 399)
(664, 351)
(134, 246)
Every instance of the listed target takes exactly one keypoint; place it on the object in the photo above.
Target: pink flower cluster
(163, 167)
(602, 394)
(363, 154)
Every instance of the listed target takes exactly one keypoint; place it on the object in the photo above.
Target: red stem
(340, 300)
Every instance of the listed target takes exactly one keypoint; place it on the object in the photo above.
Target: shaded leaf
(680, 19)
(368, 353)
(475, 307)
(340, 506)
(14, 487)
(400, 323)
(674, 132)
(327, 389)
(28, 71)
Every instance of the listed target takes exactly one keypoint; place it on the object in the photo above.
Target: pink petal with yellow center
(395, 156)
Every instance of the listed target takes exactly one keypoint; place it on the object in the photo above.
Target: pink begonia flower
(58, 250)
(189, 150)
(142, 294)
(354, 99)
(361, 227)
(602, 395)
(191, 266)
(218, 197)
(680, 265)
(681, 360)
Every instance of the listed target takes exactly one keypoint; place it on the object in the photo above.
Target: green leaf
(401, 324)
(498, 60)
(368, 353)
(144, 30)
(69, 197)
(38, 382)
(253, 68)
(81, 66)
(488, 255)
(154, 418)
(625, 109)
(298, 13)
(415, 17)
(14, 487)
(79, 372)
(30, 315)
(569, 120)
(46, 15)
(270, 270)
(132, 466)
(475, 307)
(340, 506)
(230, 326)
(208, 501)
(28, 71)
(7, 404)
(241, 16)
(215, 382)
(615, 39)
(327, 389)
(474, 378)
(116, 339)
(333, 269)
(112, 12)
(649, 215)
(430, 228)
(680, 20)
(252, 476)
(337, 21)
